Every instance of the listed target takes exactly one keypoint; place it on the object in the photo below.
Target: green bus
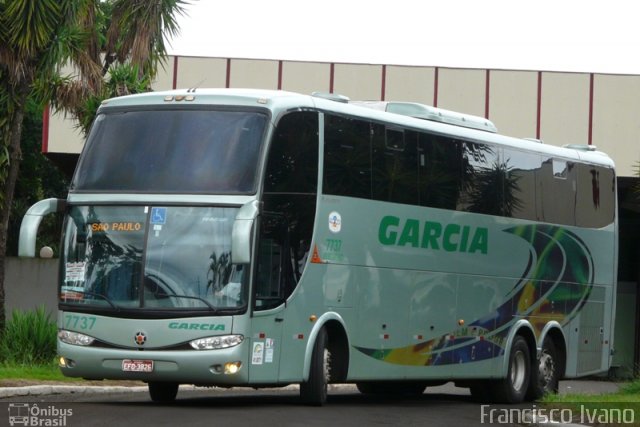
(228, 237)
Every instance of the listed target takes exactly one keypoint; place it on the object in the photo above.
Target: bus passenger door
(273, 282)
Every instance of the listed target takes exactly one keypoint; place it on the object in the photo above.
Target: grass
(628, 393)
(29, 338)
(43, 372)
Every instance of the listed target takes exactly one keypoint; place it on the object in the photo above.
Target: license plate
(129, 365)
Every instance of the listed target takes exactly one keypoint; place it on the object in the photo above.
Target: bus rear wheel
(162, 392)
(545, 378)
(314, 391)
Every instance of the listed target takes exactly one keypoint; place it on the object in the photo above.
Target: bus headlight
(213, 343)
(75, 338)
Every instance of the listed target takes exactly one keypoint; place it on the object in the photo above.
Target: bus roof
(407, 114)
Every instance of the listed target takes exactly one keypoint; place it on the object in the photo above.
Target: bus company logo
(433, 235)
(335, 222)
(27, 414)
(140, 338)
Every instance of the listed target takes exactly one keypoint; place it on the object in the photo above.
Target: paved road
(440, 406)
(345, 407)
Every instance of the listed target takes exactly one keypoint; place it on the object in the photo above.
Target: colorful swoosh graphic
(556, 283)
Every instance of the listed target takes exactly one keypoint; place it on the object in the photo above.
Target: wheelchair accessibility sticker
(158, 216)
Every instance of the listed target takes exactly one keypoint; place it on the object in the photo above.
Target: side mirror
(31, 222)
(241, 233)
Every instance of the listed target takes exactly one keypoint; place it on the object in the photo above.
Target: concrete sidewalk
(566, 387)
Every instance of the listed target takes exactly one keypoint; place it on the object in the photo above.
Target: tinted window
(439, 171)
(347, 157)
(292, 166)
(395, 165)
(557, 197)
(482, 180)
(596, 196)
(291, 182)
(160, 151)
(521, 185)
(275, 277)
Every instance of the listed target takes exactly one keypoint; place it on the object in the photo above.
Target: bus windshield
(172, 151)
(151, 258)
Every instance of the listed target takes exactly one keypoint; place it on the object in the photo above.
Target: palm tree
(39, 37)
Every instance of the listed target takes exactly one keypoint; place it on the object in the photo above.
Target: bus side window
(347, 157)
(274, 278)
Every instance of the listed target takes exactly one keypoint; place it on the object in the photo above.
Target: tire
(544, 379)
(163, 392)
(314, 391)
(513, 388)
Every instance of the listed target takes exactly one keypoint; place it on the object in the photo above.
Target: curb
(42, 390)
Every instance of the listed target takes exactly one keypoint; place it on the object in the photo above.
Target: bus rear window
(172, 151)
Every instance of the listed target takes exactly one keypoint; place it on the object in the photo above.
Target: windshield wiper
(93, 294)
(207, 303)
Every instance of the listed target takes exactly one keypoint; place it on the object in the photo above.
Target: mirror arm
(31, 222)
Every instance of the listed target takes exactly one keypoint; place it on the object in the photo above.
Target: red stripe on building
(332, 70)
(539, 111)
(487, 87)
(590, 138)
(279, 75)
(175, 72)
(435, 88)
(384, 83)
(228, 79)
(45, 128)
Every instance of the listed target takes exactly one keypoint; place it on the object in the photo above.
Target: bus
(237, 237)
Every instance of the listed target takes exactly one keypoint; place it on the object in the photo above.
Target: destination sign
(115, 226)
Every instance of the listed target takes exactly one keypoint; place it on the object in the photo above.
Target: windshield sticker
(75, 271)
(335, 222)
(258, 353)
(158, 215)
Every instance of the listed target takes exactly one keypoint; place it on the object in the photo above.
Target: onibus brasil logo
(32, 414)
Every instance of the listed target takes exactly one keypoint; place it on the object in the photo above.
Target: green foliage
(631, 388)
(29, 338)
(124, 79)
(44, 372)
(39, 179)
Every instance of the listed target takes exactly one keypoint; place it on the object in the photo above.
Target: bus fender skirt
(545, 331)
(319, 324)
(518, 327)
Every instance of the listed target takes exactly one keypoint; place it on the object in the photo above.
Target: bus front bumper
(224, 367)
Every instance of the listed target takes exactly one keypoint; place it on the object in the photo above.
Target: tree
(39, 179)
(94, 37)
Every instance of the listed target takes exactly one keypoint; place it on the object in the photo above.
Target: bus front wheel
(163, 392)
(513, 388)
(314, 391)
